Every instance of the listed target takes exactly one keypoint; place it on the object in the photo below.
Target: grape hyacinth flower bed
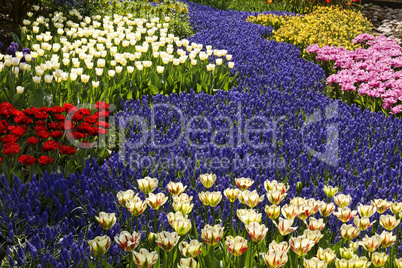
(282, 155)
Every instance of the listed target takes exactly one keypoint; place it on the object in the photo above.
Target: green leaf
(153, 89)
(338, 246)
(90, 265)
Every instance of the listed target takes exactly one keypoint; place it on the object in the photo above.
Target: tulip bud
(160, 69)
(136, 206)
(210, 198)
(389, 222)
(36, 79)
(398, 263)
(314, 263)
(124, 196)
(272, 211)
(256, 231)
(330, 191)
(326, 209)
(275, 197)
(48, 79)
(290, 211)
(210, 67)
(381, 205)
(155, 201)
(176, 188)
(363, 223)
(387, 239)
(349, 232)
(106, 220)
(327, 255)
(301, 245)
(345, 214)
(366, 210)
(99, 246)
(152, 238)
(145, 259)
(95, 84)
(167, 240)
(371, 243)
(207, 180)
(342, 200)
(248, 215)
(128, 242)
(313, 235)
(275, 259)
(187, 263)
(237, 246)
(285, 226)
(244, 183)
(20, 90)
(379, 259)
(147, 185)
(192, 249)
(231, 194)
(211, 235)
(347, 253)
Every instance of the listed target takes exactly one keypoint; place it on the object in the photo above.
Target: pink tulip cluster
(374, 71)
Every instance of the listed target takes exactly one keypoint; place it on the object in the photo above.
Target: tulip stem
(130, 227)
(231, 217)
(130, 259)
(212, 253)
(301, 261)
(155, 222)
(146, 224)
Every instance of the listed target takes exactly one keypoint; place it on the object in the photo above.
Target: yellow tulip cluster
(332, 26)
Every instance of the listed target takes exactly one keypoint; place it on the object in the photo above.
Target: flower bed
(324, 26)
(102, 58)
(34, 140)
(56, 214)
(369, 77)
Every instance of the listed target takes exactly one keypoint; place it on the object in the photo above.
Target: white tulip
(48, 79)
(36, 79)
(20, 90)
(130, 69)
(85, 78)
(111, 73)
(160, 69)
(119, 69)
(73, 76)
(210, 67)
(95, 84)
(98, 71)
